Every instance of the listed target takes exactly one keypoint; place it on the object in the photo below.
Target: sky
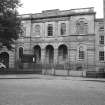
(37, 6)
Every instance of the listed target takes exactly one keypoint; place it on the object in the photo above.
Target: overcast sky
(36, 6)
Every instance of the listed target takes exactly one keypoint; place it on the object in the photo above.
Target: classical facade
(71, 39)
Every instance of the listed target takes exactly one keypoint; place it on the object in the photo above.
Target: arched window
(82, 26)
(20, 52)
(63, 28)
(37, 30)
(81, 53)
(50, 30)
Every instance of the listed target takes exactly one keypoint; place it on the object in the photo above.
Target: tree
(10, 23)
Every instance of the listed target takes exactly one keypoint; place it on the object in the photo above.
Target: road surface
(51, 91)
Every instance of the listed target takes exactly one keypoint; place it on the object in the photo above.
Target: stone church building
(60, 41)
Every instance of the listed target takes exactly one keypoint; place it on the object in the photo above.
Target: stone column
(55, 60)
(69, 60)
(55, 56)
(43, 60)
(43, 55)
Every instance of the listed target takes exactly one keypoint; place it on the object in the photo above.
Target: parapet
(59, 13)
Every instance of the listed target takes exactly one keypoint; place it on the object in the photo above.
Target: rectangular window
(101, 28)
(63, 28)
(101, 55)
(101, 39)
(50, 30)
(81, 55)
(82, 27)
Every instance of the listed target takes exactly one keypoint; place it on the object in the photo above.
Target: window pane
(101, 55)
(101, 39)
(81, 54)
(82, 27)
(101, 26)
(50, 30)
(20, 52)
(63, 28)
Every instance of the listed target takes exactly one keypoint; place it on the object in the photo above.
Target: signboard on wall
(26, 58)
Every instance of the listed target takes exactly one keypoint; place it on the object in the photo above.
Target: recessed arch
(62, 53)
(37, 53)
(49, 54)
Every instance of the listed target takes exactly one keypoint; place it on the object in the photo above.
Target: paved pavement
(38, 76)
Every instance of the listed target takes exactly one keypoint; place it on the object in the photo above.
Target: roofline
(57, 13)
(99, 19)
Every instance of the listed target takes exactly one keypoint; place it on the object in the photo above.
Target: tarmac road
(49, 90)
